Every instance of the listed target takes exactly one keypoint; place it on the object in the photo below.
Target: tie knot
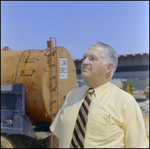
(90, 91)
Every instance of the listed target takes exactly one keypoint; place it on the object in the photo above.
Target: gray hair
(109, 55)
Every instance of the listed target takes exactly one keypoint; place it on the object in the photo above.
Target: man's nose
(85, 61)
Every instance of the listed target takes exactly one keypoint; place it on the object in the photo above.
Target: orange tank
(48, 74)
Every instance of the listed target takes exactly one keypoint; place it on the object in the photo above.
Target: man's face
(92, 67)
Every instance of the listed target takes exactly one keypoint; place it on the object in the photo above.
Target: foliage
(138, 83)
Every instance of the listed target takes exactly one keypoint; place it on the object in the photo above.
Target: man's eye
(92, 58)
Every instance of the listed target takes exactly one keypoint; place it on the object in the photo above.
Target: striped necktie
(80, 126)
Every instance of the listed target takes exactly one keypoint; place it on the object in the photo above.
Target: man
(114, 117)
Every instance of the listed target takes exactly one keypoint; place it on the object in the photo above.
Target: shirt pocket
(99, 127)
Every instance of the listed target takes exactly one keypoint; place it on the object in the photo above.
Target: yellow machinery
(128, 88)
(48, 74)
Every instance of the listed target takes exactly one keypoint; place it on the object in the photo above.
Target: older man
(99, 114)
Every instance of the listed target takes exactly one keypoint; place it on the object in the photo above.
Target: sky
(124, 25)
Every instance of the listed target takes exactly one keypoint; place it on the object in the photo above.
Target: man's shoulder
(120, 92)
(75, 95)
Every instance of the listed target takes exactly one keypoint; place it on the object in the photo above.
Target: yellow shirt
(114, 121)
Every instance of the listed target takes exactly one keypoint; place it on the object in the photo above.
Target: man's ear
(109, 67)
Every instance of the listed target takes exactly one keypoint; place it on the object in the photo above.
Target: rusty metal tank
(48, 74)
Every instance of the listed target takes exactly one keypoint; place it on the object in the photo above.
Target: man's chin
(84, 75)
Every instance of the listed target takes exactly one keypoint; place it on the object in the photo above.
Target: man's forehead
(94, 53)
(95, 50)
(101, 48)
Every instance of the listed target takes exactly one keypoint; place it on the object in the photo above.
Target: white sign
(63, 68)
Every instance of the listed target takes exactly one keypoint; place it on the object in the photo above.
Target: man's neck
(95, 84)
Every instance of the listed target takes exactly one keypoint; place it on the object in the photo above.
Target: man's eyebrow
(90, 55)
(94, 56)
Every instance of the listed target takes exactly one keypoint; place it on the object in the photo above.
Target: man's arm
(134, 128)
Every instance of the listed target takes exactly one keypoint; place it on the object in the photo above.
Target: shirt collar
(100, 89)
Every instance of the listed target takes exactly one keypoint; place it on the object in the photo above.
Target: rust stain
(33, 87)
(48, 84)
(39, 110)
(34, 101)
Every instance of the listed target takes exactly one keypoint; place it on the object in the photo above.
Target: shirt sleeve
(55, 126)
(134, 128)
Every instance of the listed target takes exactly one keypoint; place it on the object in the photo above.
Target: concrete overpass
(133, 66)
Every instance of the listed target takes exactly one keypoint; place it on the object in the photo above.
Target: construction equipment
(34, 84)
(128, 88)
